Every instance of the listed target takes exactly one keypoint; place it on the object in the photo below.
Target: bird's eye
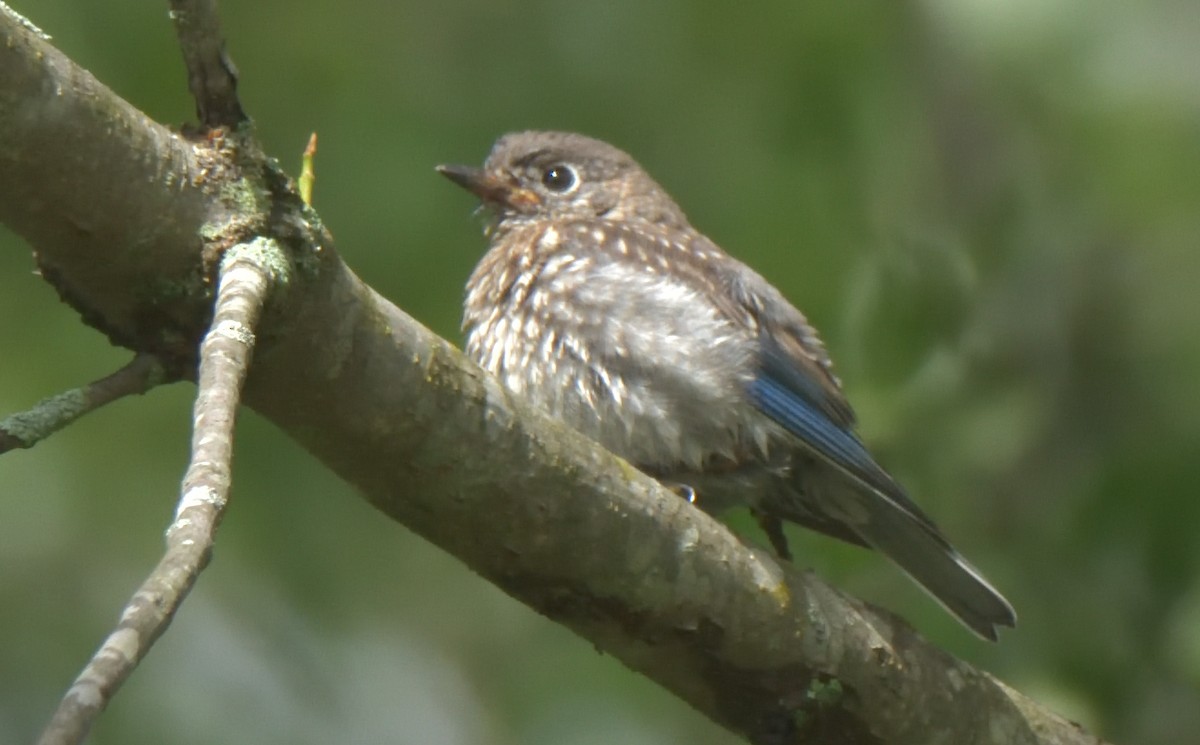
(559, 177)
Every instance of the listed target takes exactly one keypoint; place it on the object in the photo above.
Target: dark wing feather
(796, 388)
(794, 385)
(787, 391)
(782, 393)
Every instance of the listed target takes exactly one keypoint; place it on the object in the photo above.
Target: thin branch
(224, 361)
(27, 428)
(212, 76)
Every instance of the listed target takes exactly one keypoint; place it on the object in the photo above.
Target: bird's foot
(773, 527)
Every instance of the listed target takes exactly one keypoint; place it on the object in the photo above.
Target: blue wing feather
(808, 423)
(785, 393)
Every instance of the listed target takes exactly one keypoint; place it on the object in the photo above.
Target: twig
(308, 175)
(212, 76)
(224, 360)
(27, 428)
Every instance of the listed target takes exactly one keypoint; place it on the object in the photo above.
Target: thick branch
(113, 204)
(551, 518)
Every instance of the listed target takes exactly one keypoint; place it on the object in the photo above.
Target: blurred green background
(991, 209)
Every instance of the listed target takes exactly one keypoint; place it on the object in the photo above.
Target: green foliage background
(991, 209)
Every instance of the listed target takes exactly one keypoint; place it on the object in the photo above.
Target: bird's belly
(680, 409)
(627, 353)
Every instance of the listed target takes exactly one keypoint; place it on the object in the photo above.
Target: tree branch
(27, 428)
(212, 77)
(141, 293)
(548, 516)
(224, 361)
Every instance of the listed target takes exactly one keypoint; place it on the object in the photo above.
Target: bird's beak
(494, 190)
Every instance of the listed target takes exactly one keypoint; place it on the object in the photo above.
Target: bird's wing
(794, 383)
(795, 386)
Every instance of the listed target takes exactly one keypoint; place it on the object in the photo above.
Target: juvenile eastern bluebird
(600, 303)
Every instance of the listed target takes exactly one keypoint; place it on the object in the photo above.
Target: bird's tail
(914, 544)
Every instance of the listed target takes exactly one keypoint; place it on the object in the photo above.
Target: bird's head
(564, 176)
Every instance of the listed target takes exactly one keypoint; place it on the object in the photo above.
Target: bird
(598, 302)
